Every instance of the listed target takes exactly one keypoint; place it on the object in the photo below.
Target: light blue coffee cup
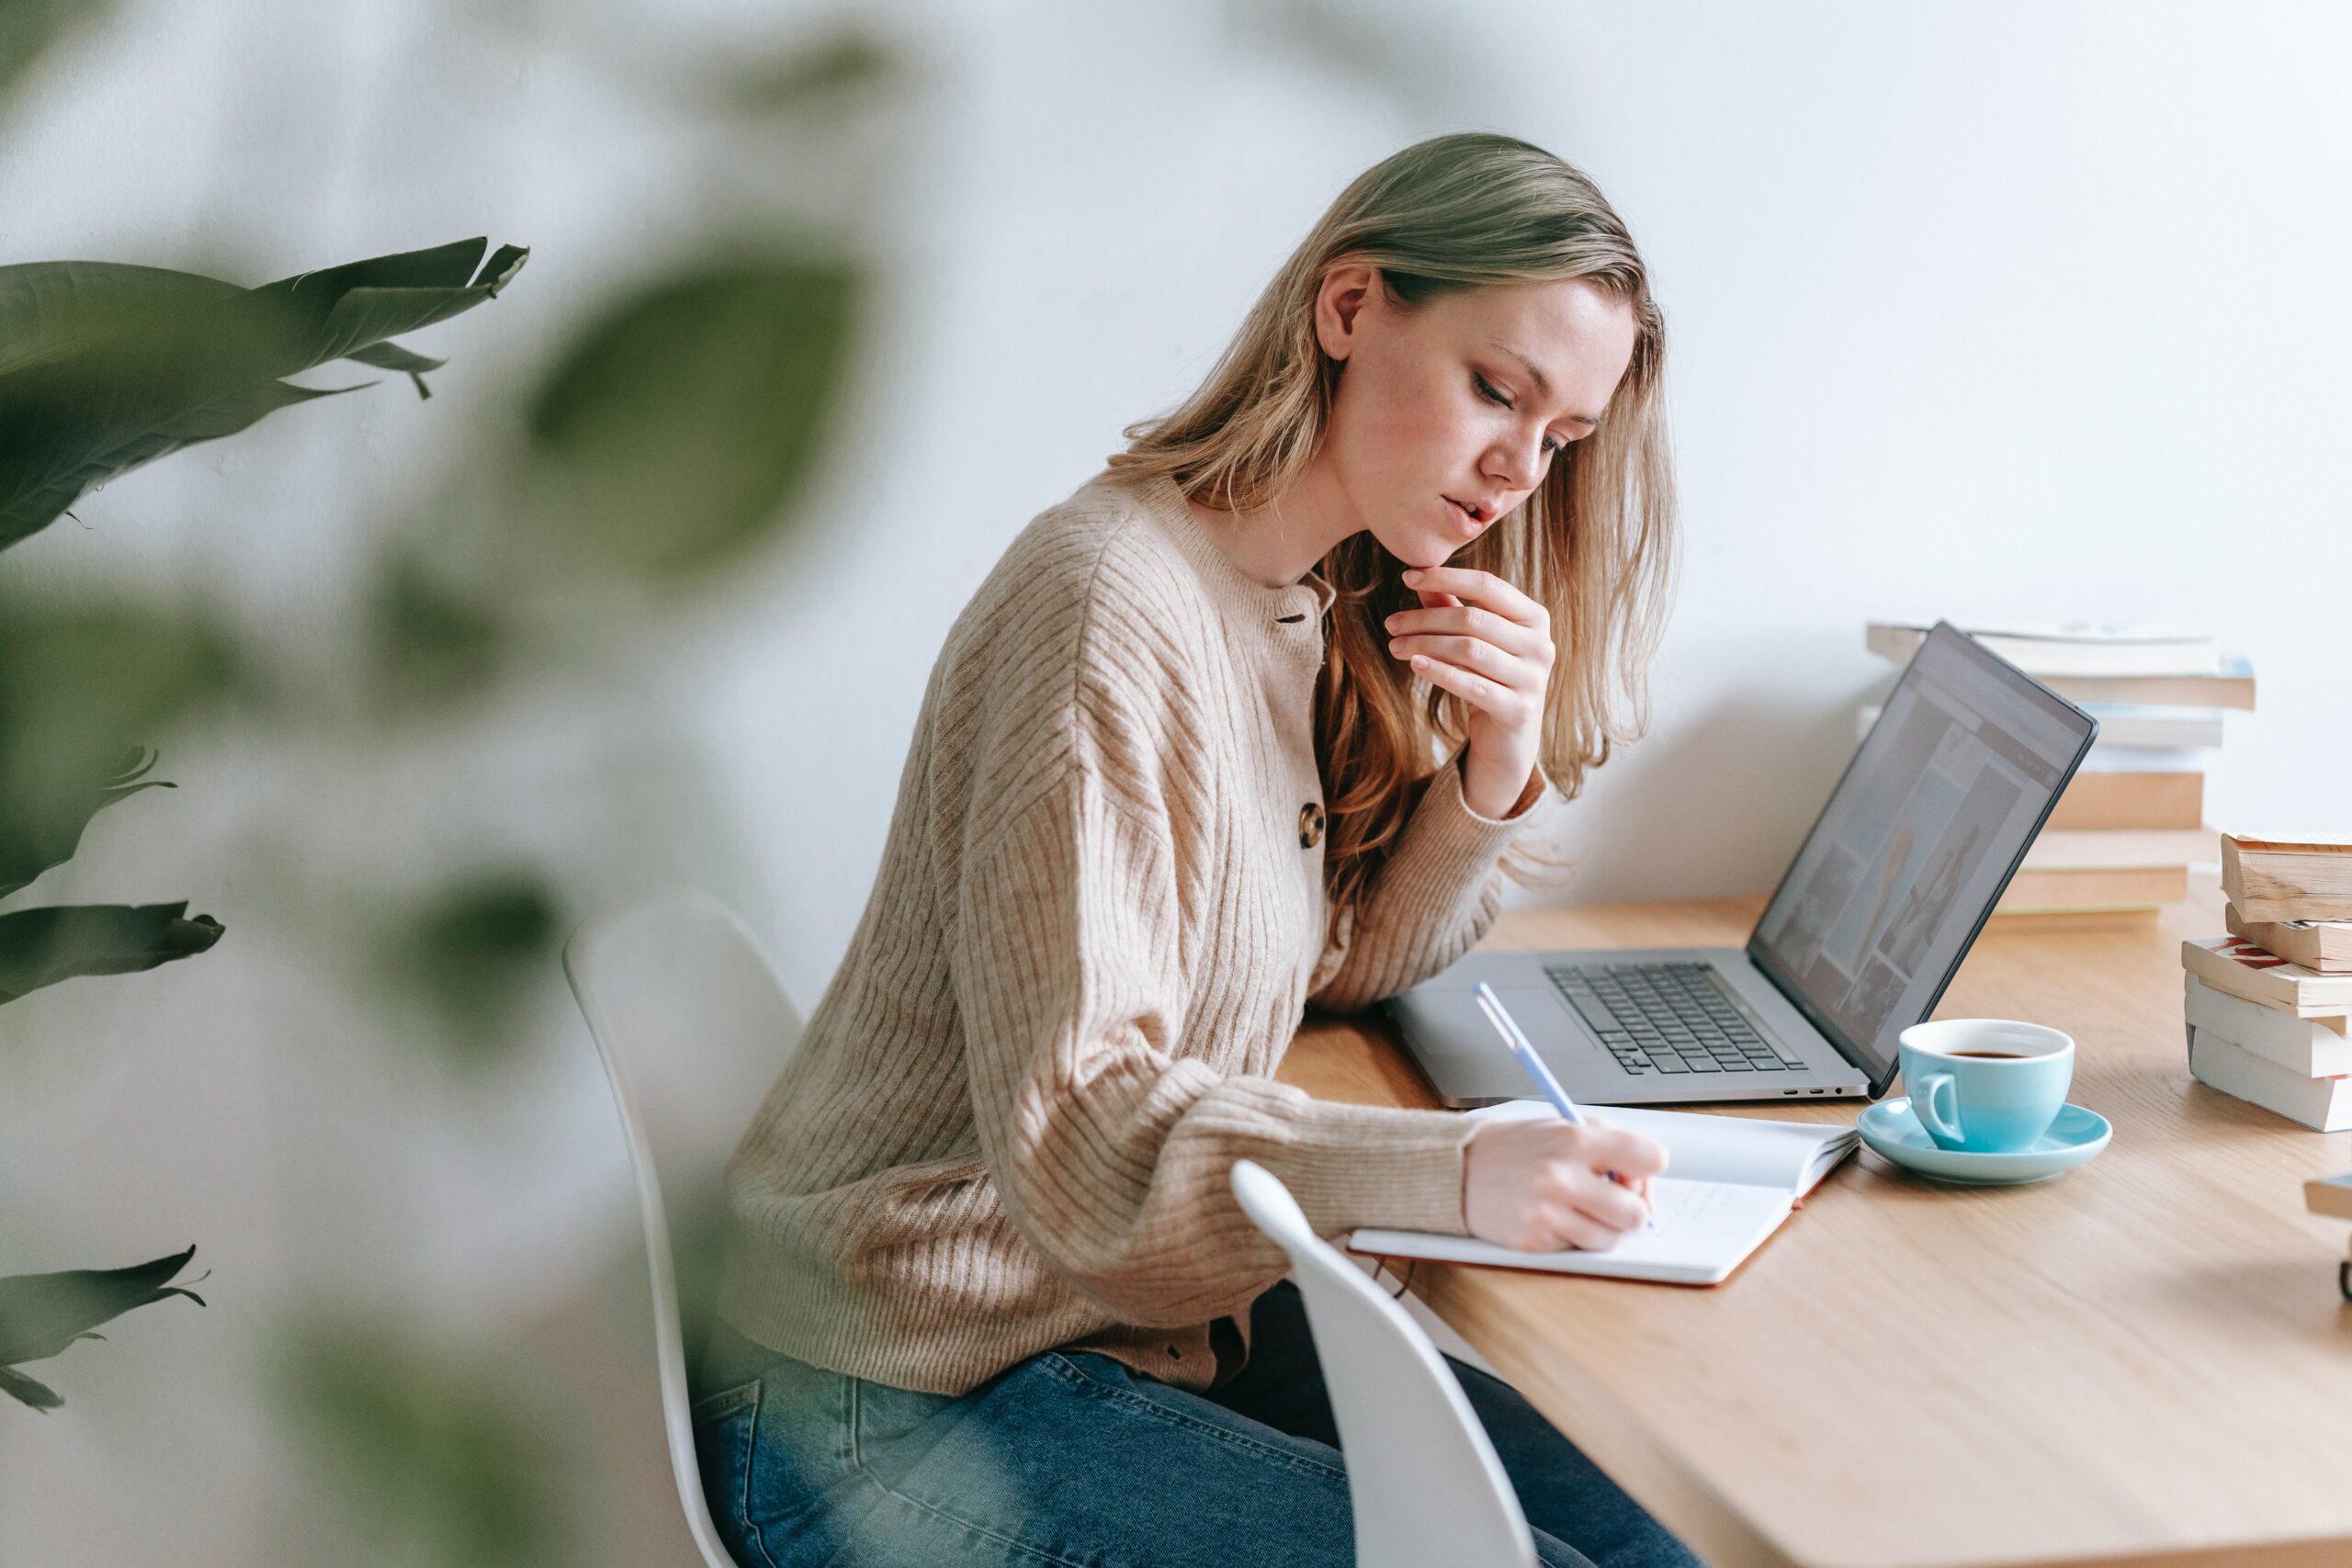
(1985, 1084)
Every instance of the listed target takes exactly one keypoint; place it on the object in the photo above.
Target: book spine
(2146, 725)
(2234, 690)
(2299, 1044)
(2150, 800)
(2098, 849)
(2071, 892)
(2324, 1105)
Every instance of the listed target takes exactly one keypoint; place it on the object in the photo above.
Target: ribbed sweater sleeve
(1111, 1152)
(1430, 901)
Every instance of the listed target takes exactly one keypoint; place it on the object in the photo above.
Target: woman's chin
(1421, 550)
(1424, 549)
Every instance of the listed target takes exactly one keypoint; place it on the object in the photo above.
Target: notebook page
(1704, 1228)
(1789, 1156)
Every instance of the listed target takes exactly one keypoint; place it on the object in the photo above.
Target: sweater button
(1174, 1354)
(1310, 824)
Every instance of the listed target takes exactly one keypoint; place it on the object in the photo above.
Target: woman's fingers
(1604, 1200)
(1630, 1154)
(1476, 637)
(1525, 676)
(1479, 690)
(1575, 1228)
(1541, 1185)
(1471, 622)
(1481, 588)
(1469, 652)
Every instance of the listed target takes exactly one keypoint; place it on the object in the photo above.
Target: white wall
(1982, 309)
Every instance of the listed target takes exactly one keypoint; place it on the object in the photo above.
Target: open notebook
(1730, 1181)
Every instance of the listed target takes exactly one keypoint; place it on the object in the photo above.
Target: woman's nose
(1516, 464)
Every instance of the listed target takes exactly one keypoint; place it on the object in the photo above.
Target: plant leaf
(429, 642)
(449, 1460)
(26, 1390)
(32, 841)
(27, 28)
(851, 61)
(41, 947)
(80, 680)
(500, 269)
(105, 367)
(677, 431)
(393, 357)
(40, 1314)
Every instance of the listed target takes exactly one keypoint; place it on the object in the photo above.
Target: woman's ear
(1339, 305)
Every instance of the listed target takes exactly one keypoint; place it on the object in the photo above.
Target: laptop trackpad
(1452, 1026)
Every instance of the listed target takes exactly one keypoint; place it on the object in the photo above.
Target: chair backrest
(693, 1026)
(1423, 1479)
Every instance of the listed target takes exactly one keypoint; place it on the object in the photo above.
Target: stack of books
(2333, 1195)
(2131, 822)
(2269, 1006)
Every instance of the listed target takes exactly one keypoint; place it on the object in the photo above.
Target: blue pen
(1508, 1027)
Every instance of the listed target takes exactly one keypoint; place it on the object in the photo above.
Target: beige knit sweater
(1099, 913)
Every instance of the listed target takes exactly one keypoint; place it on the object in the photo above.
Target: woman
(988, 1296)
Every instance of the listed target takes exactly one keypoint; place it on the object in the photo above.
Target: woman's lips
(1465, 524)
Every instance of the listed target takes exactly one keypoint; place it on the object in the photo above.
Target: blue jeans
(1069, 1458)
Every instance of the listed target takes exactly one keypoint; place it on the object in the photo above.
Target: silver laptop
(1866, 929)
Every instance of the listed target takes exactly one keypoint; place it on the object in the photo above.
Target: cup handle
(1941, 1126)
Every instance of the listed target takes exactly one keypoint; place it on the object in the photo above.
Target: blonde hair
(1593, 543)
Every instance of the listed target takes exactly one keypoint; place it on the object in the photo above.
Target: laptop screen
(1919, 838)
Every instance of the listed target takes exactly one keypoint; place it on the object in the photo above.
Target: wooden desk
(2144, 1360)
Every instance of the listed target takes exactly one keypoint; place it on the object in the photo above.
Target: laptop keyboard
(1668, 1017)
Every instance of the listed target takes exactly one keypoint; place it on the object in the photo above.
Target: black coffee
(1994, 1055)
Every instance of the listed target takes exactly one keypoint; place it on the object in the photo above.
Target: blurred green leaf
(851, 59)
(40, 1314)
(478, 945)
(678, 430)
(430, 1450)
(81, 681)
(105, 367)
(429, 641)
(28, 28)
(33, 840)
(41, 947)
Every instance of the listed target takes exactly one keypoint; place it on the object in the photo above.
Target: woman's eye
(1486, 390)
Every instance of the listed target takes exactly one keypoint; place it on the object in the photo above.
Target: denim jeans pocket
(725, 1402)
(725, 1424)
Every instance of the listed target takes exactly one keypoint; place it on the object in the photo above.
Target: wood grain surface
(2143, 1360)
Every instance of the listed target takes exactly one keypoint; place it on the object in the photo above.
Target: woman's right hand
(1542, 1186)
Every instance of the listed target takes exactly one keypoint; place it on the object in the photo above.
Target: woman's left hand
(1490, 645)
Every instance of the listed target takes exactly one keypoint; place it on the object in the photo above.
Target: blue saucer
(1891, 1129)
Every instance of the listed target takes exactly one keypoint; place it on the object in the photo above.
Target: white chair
(1422, 1476)
(693, 1026)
